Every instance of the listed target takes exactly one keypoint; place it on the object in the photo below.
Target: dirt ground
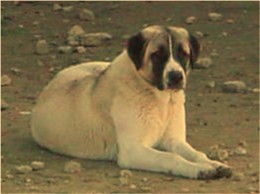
(213, 117)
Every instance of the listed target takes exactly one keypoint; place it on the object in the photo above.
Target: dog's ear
(195, 50)
(135, 49)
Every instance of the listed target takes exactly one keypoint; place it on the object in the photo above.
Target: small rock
(233, 86)
(240, 151)
(146, 189)
(230, 21)
(81, 49)
(249, 165)
(211, 84)
(67, 8)
(224, 34)
(23, 169)
(4, 105)
(57, 7)
(86, 15)
(238, 176)
(42, 47)
(215, 17)
(217, 153)
(126, 173)
(132, 186)
(76, 30)
(15, 70)
(199, 34)
(5, 80)
(144, 179)
(190, 20)
(65, 49)
(255, 90)
(73, 40)
(203, 63)
(37, 165)
(24, 112)
(9, 176)
(94, 39)
(72, 167)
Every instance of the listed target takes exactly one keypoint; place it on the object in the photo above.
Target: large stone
(94, 39)
(42, 47)
(87, 15)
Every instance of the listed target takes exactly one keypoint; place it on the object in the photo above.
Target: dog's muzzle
(175, 80)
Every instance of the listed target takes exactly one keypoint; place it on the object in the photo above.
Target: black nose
(175, 77)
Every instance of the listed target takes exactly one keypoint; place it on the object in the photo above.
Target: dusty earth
(214, 117)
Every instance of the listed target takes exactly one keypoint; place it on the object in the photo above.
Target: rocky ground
(40, 38)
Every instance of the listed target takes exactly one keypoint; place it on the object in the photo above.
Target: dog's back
(55, 115)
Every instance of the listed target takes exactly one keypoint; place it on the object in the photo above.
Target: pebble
(255, 90)
(199, 34)
(203, 63)
(215, 16)
(23, 169)
(72, 167)
(190, 20)
(76, 30)
(81, 49)
(15, 70)
(24, 112)
(132, 186)
(230, 21)
(57, 7)
(233, 86)
(240, 151)
(67, 8)
(42, 47)
(224, 34)
(4, 105)
(9, 176)
(94, 39)
(5, 80)
(87, 15)
(238, 176)
(144, 179)
(211, 84)
(37, 165)
(126, 173)
(65, 49)
(217, 153)
(242, 143)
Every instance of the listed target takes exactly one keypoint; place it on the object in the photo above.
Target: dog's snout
(175, 77)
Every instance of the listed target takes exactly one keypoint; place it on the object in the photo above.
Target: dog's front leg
(174, 140)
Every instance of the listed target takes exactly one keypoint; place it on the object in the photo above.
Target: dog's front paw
(222, 171)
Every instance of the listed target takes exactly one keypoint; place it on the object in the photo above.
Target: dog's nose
(175, 77)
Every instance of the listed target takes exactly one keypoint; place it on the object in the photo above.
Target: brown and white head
(163, 56)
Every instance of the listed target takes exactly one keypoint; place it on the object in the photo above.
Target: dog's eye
(158, 55)
(182, 53)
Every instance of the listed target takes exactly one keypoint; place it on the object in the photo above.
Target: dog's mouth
(174, 86)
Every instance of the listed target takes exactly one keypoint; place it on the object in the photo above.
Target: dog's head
(163, 56)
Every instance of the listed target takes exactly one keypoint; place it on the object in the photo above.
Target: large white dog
(130, 110)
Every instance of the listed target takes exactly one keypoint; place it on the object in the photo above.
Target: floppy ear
(195, 50)
(135, 49)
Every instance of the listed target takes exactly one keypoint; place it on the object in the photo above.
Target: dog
(131, 110)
